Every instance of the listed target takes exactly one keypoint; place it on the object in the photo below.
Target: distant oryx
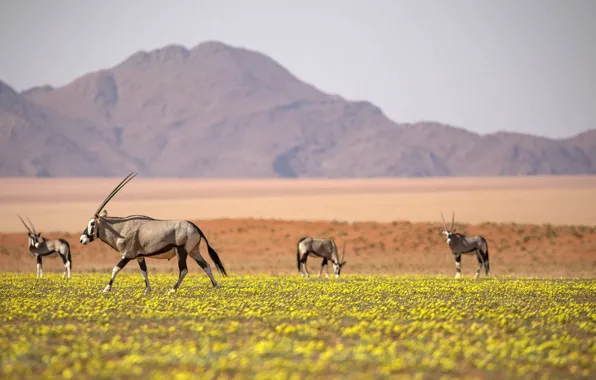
(324, 248)
(139, 236)
(41, 247)
(461, 244)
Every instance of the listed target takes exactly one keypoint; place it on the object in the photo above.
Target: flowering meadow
(287, 327)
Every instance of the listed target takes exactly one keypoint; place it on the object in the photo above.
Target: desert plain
(541, 226)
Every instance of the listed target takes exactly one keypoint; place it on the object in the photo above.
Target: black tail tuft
(212, 253)
(216, 259)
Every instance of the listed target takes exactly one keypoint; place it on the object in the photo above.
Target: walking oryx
(462, 244)
(41, 247)
(139, 236)
(324, 248)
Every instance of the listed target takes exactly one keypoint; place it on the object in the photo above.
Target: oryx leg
(182, 268)
(480, 258)
(66, 265)
(303, 268)
(196, 255)
(457, 265)
(486, 264)
(143, 266)
(39, 270)
(115, 271)
(323, 264)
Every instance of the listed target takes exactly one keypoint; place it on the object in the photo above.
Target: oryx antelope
(324, 248)
(462, 244)
(136, 237)
(41, 247)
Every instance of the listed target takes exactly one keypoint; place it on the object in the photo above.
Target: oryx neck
(107, 235)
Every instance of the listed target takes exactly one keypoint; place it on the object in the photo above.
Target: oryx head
(34, 237)
(451, 230)
(90, 232)
(337, 265)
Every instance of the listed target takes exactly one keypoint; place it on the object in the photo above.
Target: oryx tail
(211, 251)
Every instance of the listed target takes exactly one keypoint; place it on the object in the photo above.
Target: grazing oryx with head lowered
(324, 248)
(41, 247)
(462, 244)
(136, 237)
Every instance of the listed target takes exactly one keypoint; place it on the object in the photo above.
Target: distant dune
(58, 204)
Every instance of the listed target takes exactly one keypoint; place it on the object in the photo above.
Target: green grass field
(286, 327)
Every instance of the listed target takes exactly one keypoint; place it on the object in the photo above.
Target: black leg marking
(303, 260)
(458, 265)
(182, 268)
(480, 257)
(143, 266)
(121, 264)
(39, 270)
(323, 264)
(203, 264)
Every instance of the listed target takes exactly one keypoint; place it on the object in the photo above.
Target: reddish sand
(269, 246)
(402, 236)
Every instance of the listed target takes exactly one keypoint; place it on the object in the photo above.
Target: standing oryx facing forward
(465, 244)
(138, 236)
(42, 247)
(324, 248)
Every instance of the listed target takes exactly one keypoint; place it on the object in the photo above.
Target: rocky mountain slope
(221, 111)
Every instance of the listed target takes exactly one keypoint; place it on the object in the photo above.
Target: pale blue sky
(524, 65)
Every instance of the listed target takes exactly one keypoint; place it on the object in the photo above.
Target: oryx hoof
(108, 288)
(172, 291)
(147, 290)
(216, 286)
(457, 275)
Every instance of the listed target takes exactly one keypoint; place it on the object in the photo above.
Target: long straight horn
(116, 190)
(32, 226)
(444, 224)
(343, 251)
(452, 219)
(25, 224)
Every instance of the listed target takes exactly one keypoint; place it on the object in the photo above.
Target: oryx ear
(343, 263)
(104, 213)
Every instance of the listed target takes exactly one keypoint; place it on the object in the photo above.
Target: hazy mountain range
(221, 111)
